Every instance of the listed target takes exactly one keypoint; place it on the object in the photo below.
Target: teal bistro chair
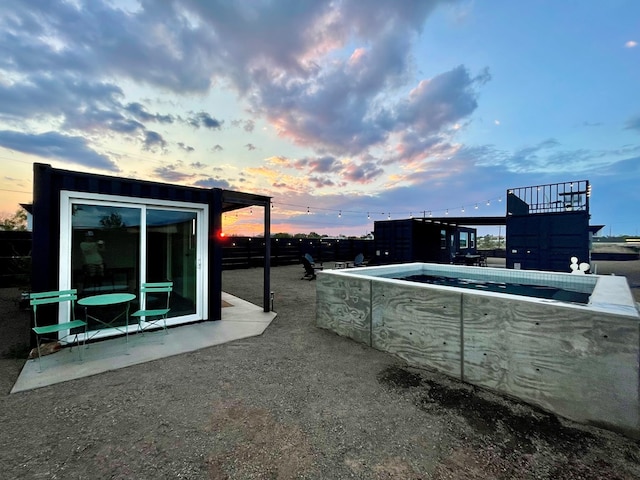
(66, 328)
(154, 308)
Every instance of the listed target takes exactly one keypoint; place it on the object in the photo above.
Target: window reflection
(105, 249)
(105, 252)
(171, 256)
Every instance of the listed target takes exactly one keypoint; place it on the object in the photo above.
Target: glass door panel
(105, 255)
(114, 246)
(171, 255)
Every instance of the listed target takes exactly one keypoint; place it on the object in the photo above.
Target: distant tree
(313, 235)
(113, 220)
(282, 235)
(488, 242)
(17, 221)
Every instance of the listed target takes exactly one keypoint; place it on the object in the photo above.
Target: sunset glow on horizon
(343, 112)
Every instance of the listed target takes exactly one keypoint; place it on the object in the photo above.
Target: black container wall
(547, 241)
(416, 240)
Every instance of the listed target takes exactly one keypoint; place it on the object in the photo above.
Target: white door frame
(68, 198)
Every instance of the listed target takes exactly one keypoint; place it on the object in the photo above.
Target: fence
(245, 252)
(15, 258)
(237, 252)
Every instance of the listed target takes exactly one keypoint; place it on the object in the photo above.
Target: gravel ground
(296, 402)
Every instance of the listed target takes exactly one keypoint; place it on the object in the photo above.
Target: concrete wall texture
(578, 363)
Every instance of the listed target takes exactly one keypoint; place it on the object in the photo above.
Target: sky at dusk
(344, 112)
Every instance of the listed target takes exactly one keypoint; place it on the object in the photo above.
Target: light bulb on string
(463, 209)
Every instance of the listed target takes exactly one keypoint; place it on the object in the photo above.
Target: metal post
(267, 256)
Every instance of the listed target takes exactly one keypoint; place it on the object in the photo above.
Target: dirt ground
(296, 402)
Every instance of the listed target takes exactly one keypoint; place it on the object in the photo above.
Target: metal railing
(555, 197)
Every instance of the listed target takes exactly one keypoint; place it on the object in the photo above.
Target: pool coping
(610, 294)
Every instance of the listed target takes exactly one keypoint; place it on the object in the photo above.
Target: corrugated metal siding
(414, 240)
(394, 241)
(547, 241)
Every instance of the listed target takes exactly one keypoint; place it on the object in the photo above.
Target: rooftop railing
(554, 197)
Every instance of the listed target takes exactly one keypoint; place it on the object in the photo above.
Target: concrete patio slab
(240, 319)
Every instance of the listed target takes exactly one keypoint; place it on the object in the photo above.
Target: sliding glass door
(113, 246)
(105, 249)
(171, 254)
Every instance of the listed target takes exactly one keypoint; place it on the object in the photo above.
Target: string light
(476, 206)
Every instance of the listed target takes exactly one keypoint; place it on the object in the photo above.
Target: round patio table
(106, 299)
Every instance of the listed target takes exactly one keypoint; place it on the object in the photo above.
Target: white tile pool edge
(610, 293)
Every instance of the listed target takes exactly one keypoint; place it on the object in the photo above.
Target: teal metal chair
(153, 310)
(56, 297)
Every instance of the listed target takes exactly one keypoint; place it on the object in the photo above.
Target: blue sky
(345, 112)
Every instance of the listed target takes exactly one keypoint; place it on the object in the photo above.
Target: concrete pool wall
(579, 361)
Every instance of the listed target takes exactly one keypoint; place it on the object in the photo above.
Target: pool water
(537, 291)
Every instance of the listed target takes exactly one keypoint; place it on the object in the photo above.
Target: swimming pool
(577, 360)
(525, 290)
